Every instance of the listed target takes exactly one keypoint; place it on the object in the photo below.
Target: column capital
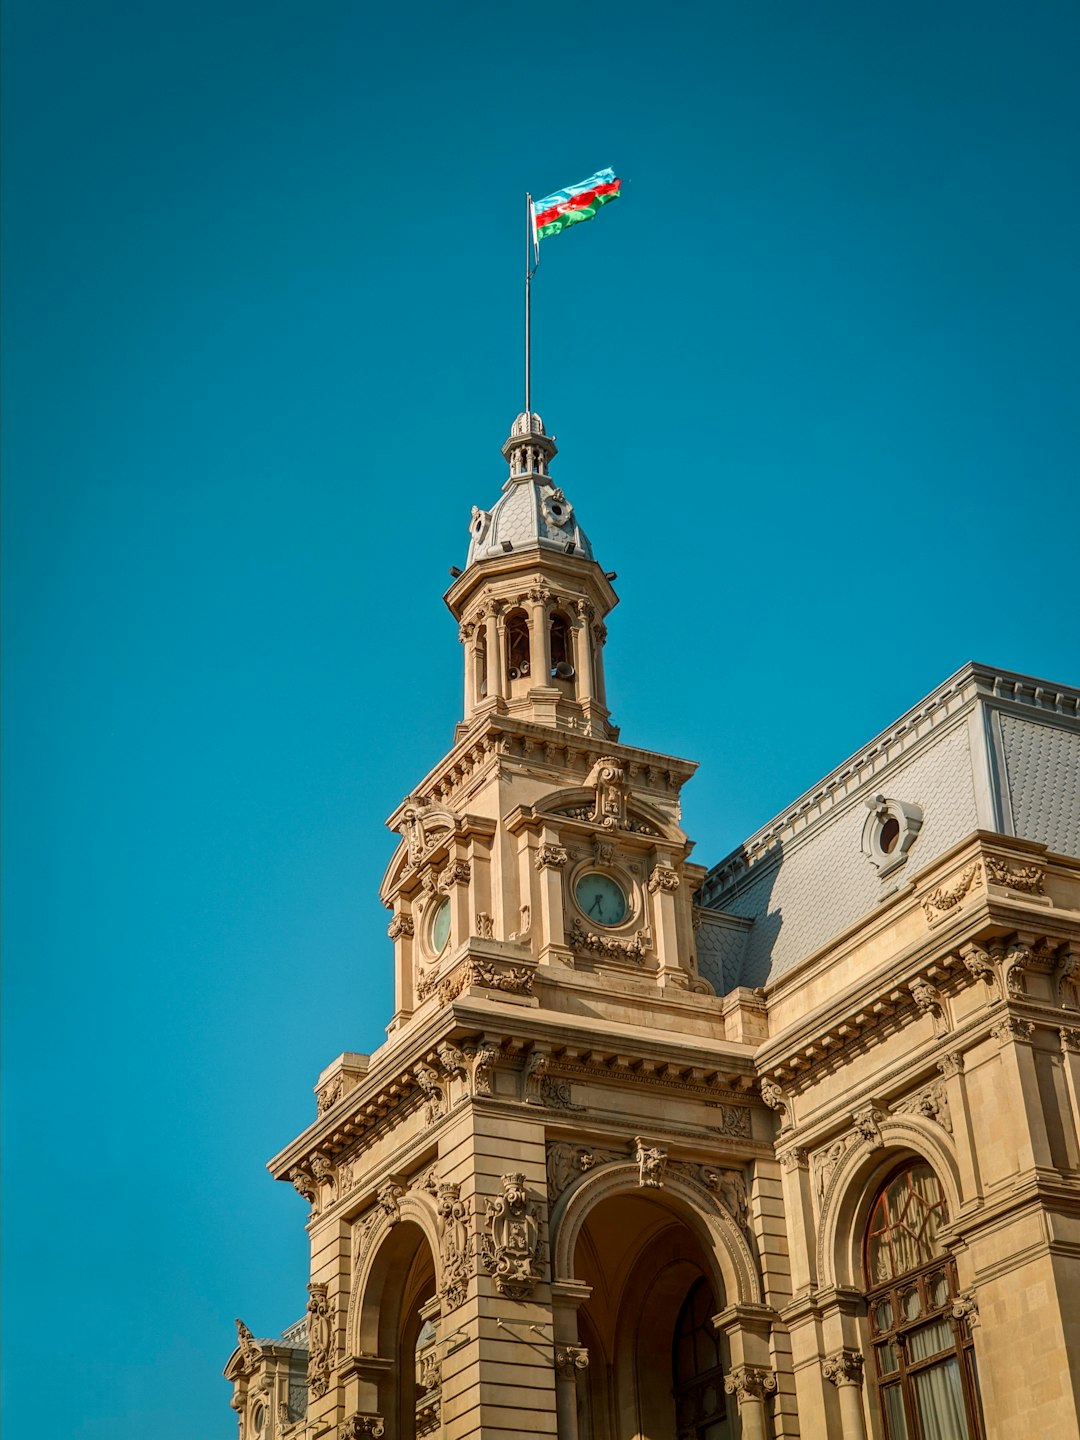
(749, 1382)
(843, 1367)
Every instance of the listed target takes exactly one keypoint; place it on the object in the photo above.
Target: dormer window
(889, 832)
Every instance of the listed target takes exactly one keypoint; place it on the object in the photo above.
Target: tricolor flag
(574, 204)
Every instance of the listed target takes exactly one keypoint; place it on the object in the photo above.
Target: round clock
(440, 927)
(601, 898)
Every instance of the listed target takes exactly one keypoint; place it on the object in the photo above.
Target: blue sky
(814, 382)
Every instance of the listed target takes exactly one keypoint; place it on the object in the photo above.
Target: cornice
(550, 565)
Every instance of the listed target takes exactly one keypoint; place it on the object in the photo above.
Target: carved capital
(966, 1307)
(458, 872)
(951, 1063)
(360, 1426)
(569, 1359)
(663, 878)
(1070, 1040)
(749, 1382)
(1012, 1027)
(551, 857)
(796, 1159)
(843, 1367)
(401, 927)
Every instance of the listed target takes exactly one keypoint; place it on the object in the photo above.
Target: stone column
(663, 883)
(571, 1359)
(496, 661)
(551, 858)
(845, 1369)
(455, 883)
(596, 649)
(539, 640)
(1015, 1034)
(951, 1067)
(750, 1384)
(583, 653)
(1070, 1060)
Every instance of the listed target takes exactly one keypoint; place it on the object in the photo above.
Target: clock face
(601, 898)
(440, 927)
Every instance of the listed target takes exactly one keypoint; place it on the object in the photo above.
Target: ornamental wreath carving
(453, 1224)
(318, 1338)
(510, 1244)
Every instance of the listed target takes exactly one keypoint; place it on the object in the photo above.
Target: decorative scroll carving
(453, 1223)
(569, 1359)
(1013, 1027)
(928, 1001)
(749, 1382)
(844, 1367)
(1066, 978)
(485, 925)
(323, 1172)
(663, 878)
(607, 948)
(428, 1081)
(795, 1159)
(318, 1338)
(867, 1122)
(651, 1162)
(389, 1196)
(329, 1095)
(608, 779)
(1018, 959)
(250, 1353)
(304, 1183)
(536, 1068)
(360, 1426)
(966, 1307)
(401, 926)
(551, 857)
(1070, 1040)
(979, 966)
(1028, 879)
(931, 1102)
(458, 872)
(942, 900)
(452, 1060)
(483, 1065)
(776, 1100)
(510, 1244)
(415, 829)
(951, 1063)
(734, 1121)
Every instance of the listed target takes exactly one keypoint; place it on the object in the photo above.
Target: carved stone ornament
(360, 1426)
(844, 1367)
(304, 1183)
(951, 1063)
(928, 1001)
(608, 779)
(728, 1187)
(565, 1162)
(776, 1100)
(428, 1081)
(749, 1382)
(452, 1060)
(1027, 879)
(1066, 979)
(1017, 961)
(485, 925)
(651, 1162)
(663, 878)
(483, 1065)
(941, 900)
(389, 1196)
(510, 1244)
(318, 1337)
(329, 1095)
(454, 1249)
(401, 927)
(323, 1172)
(979, 965)
(734, 1121)
(250, 1354)
(796, 1159)
(606, 948)
(570, 1359)
(1070, 1040)
(515, 980)
(551, 857)
(458, 872)
(824, 1165)
(428, 1414)
(931, 1102)
(966, 1307)
(867, 1122)
(1013, 1027)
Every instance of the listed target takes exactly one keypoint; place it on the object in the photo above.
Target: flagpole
(528, 304)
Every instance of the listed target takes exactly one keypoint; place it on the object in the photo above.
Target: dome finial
(528, 449)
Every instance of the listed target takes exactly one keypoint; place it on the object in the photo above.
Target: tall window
(923, 1362)
(698, 1370)
(517, 644)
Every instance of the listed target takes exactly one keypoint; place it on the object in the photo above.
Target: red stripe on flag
(576, 202)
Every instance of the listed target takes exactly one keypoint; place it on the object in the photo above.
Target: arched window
(517, 644)
(562, 649)
(923, 1365)
(698, 1370)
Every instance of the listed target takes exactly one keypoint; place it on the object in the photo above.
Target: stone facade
(645, 1149)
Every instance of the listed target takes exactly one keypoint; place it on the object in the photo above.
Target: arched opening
(397, 1326)
(922, 1362)
(517, 647)
(656, 1365)
(562, 652)
(480, 664)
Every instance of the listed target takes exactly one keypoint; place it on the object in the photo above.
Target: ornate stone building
(786, 1147)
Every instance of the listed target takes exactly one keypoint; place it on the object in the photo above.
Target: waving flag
(574, 204)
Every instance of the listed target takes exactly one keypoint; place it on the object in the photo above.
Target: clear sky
(814, 379)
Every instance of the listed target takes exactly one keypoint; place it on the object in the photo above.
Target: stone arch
(735, 1269)
(561, 803)
(388, 1242)
(858, 1174)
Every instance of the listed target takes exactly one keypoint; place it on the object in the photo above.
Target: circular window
(439, 931)
(258, 1419)
(889, 835)
(601, 898)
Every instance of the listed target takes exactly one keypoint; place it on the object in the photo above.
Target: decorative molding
(1013, 1027)
(979, 966)
(663, 878)
(483, 1066)
(329, 1095)
(775, 1099)
(929, 1001)
(867, 1123)
(843, 1367)
(303, 1183)
(570, 1359)
(516, 980)
(951, 1063)
(434, 1100)
(1070, 1040)
(734, 1121)
(608, 779)
(323, 1172)
(931, 1102)
(749, 1382)
(607, 948)
(389, 1196)
(795, 1159)
(940, 901)
(453, 1226)
(428, 1414)
(510, 1243)
(458, 872)
(1067, 978)
(651, 1162)
(1018, 960)
(401, 926)
(1027, 879)
(551, 857)
(250, 1353)
(452, 1060)
(319, 1340)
